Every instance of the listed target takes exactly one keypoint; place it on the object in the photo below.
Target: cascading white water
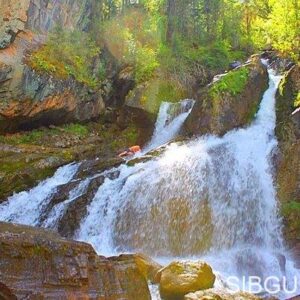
(211, 198)
(26, 207)
(170, 118)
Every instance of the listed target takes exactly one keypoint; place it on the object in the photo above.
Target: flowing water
(210, 198)
(170, 118)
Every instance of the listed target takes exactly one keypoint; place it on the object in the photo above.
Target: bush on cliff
(67, 53)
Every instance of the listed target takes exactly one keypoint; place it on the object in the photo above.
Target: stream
(210, 198)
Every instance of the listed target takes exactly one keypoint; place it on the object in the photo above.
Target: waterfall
(26, 207)
(209, 198)
(170, 118)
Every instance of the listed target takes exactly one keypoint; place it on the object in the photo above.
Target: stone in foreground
(217, 294)
(39, 264)
(180, 278)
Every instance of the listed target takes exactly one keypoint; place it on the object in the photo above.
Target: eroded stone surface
(39, 263)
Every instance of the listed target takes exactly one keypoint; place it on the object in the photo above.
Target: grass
(22, 138)
(76, 129)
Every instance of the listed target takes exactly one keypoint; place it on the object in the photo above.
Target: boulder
(230, 102)
(148, 267)
(39, 264)
(219, 294)
(180, 278)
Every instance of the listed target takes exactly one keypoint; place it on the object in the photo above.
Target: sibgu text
(255, 285)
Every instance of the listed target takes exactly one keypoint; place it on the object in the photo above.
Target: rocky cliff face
(41, 16)
(45, 101)
(13, 20)
(39, 264)
(29, 99)
(228, 104)
(288, 164)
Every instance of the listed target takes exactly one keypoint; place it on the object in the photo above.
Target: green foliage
(233, 83)
(216, 56)
(146, 64)
(133, 41)
(67, 53)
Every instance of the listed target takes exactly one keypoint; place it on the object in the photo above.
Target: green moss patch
(232, 83)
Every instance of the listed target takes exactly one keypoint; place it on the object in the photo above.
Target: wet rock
(96, 166)
(229, 110)
(39, 264)
(180, 278)
(148, 267)
(77, 209)
(219, 294)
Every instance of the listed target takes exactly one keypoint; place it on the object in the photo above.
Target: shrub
(67, 53)
(146, 64)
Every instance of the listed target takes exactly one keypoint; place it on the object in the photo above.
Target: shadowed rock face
(39, 264)
(288, 159)
(221, 115)
(47, 101)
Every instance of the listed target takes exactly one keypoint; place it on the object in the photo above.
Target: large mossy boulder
(230, 102)
(180, 278)
(288, 158)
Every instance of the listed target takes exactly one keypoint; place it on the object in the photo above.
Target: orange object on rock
(135, 149)
(130, 151)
